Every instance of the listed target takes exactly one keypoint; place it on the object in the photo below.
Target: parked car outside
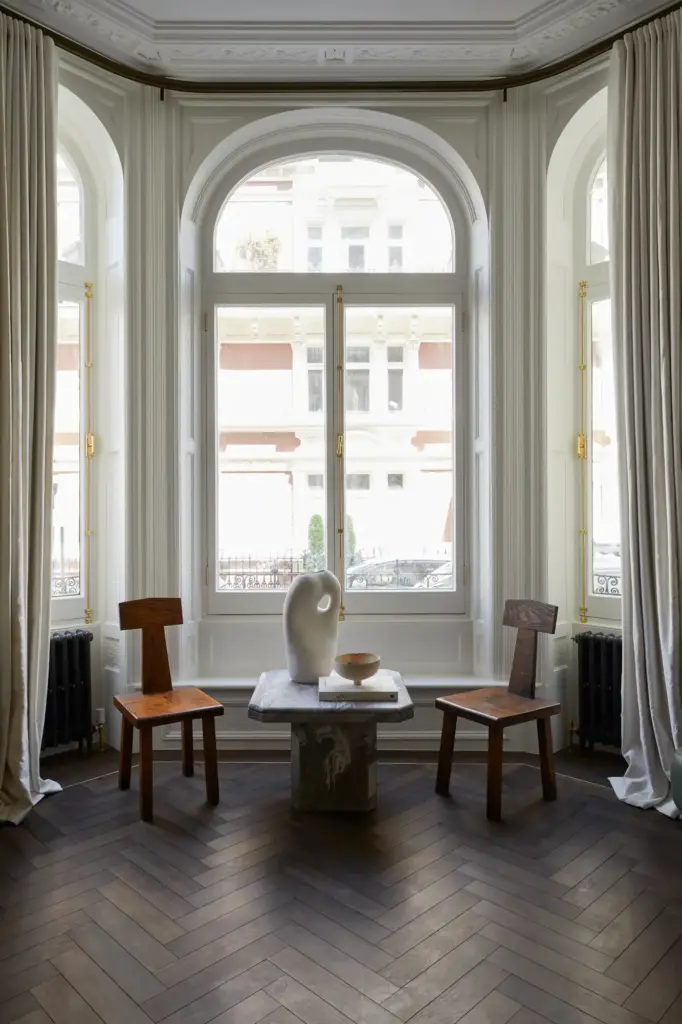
(398, 573)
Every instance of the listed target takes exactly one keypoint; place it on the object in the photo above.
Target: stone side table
(333, 745)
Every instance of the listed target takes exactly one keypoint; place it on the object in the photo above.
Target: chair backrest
(151, 615)
(530, 618)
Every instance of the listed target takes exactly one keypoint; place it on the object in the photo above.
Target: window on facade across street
(307, 453)
(604, 526)
(67, 481)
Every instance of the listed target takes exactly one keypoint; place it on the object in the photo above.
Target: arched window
(604, 555)
(335, 423)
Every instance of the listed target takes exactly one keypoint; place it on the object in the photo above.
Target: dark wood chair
(497, 709)
(160, 704)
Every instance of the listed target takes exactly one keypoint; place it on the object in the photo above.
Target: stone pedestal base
(334, 766)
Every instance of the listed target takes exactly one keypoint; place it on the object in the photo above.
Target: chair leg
(125, 754)
(546, 758)
(187, 747)
(210, 759)
(447, 746)
(494, 809)
(146, 774)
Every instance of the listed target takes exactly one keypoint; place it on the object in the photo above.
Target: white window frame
(241, 289)
(597, 277)
(71, 287)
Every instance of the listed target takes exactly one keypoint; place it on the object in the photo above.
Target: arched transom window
(335, 427)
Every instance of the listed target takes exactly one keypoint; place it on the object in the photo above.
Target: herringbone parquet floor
(569, 912)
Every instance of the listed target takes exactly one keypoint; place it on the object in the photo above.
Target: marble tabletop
(278, 699)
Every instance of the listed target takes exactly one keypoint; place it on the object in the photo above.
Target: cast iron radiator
(600, 668)
(68, 712)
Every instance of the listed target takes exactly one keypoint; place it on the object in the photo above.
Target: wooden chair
(160, 704)
(498, 709)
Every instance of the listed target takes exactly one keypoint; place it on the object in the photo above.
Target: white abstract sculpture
(310, 632)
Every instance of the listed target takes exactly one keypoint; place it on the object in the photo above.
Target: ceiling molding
(431, 49)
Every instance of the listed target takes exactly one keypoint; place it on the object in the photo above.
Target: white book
(380, 687)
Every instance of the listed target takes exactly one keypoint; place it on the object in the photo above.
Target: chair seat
(169, 706)
(491, 705)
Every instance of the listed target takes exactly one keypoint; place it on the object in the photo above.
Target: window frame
(71, 287)
(289, 288)
(597, 278)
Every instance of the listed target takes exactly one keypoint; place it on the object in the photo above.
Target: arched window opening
(336, 426)
(584, 568)
(334, 213)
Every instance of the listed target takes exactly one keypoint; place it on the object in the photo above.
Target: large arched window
(599, 423)
(68, 484)
(336, 421)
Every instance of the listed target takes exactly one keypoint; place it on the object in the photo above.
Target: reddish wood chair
(497, 709)
(160, 704)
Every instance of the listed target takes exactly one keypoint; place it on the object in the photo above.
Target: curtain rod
(241, 87)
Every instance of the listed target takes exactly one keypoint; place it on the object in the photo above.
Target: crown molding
(336, 51)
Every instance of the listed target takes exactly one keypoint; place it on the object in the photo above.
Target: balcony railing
(607, 584)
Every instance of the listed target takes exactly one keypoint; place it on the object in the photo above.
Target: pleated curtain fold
(644, 156)
(28, 311)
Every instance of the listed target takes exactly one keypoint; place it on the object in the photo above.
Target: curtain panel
(28, 309)
(644, 155)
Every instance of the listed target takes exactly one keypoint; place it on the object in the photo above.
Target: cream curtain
(645, 151)
(28, 302)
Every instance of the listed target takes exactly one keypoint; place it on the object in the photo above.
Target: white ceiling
(337, 40)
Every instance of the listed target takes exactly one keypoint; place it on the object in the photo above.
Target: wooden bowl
(357, 666)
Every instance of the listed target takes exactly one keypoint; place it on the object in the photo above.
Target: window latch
(581, 446)
(339, 446)
(89, 445)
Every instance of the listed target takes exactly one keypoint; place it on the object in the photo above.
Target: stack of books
(380, 687)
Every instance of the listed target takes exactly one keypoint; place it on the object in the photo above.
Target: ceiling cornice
(370, 56)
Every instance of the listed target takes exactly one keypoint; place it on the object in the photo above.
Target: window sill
(412, 681)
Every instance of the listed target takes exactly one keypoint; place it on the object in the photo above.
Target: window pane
(356, 257)
(315, 259)
(357, 390)
(394, 353)
(69, 215)
(395, 390)
(395, 257)
(599, 220)
(265, 223)
(66, 499)
(357, 481)
(315, 390)
(315, 354)
(400, 530)
(357, 353)
(606, 556)
(271, 446)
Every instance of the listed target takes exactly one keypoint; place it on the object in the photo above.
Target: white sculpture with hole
(311, 625)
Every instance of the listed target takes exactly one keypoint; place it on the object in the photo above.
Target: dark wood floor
(568, 912)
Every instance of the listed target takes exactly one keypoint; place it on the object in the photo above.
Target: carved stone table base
(333, 743)
(334, 766)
